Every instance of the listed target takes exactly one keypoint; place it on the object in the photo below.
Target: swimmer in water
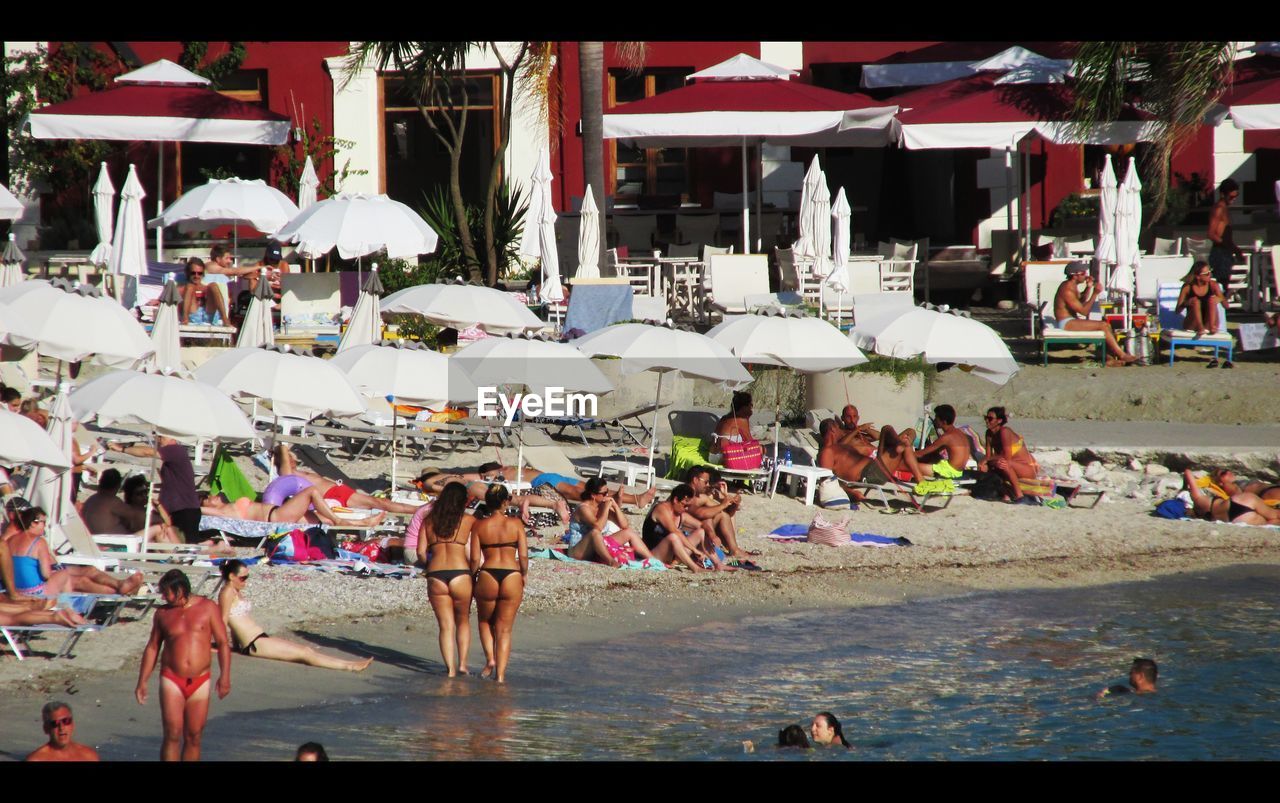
(826, 731)
(790, 736)
(1142, 680)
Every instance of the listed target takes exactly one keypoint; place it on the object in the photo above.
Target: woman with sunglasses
(250, 639)
(1200, 297)
(1007, 454)
(36, 575)
(444, 545)
(500, 550)
(200, 301)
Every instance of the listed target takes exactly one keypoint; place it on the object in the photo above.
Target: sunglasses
(38, 521)
(58, 723)
(197, 273)
(991, 418)
(242, 577)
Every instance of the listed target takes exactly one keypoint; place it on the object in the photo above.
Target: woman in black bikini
(1200, 297)
(445, 533)
(499, 549)
(1240, 508)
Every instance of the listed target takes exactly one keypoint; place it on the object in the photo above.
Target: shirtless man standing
(60, 726)
(1224, 253)
(1071, 310)
(185, 626)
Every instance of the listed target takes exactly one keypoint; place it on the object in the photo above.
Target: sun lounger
(17, 635)
(73, 545)
(613, 427)
(690, 426)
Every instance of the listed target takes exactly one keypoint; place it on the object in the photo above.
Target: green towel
(685, 452)
(228, 479)
(945, 470)
(935, 487)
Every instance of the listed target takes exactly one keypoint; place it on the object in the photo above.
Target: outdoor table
(632, 471)
(811, 475)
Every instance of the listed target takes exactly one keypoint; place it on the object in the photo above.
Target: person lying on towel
(307, 506)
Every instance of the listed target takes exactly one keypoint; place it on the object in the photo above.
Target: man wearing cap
(1071, 310)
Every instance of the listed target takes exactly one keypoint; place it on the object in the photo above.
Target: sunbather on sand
(855, 460)
(1241, 508)
(1007, 454)
(600, 532)
(691, 543)
(1226, 480)
(715, 507)
(949, 453)
(287, 466)
(432, 482)
(307, 506)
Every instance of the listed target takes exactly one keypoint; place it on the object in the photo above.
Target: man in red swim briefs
(185, 625)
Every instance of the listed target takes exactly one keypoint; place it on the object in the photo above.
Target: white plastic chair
(1165, 247)
(635, 232)
(698, 229)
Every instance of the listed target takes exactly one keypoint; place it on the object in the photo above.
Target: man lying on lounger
(848, 450)
(292, 479)
(306, 506)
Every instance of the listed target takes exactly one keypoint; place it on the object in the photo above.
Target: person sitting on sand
(826, 731)
(1007, 454)
(1240, 508)
(948, 454)
(61, 728)
(34, 572)
(501, 552)
(446, 535)
(306, 506)
(1142, 680)
(716, 507)
(600, 532)
(293, 478)
(672, 518)
(249, 639)
(1071, 310)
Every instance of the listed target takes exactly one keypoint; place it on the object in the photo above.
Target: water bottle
(788, 457)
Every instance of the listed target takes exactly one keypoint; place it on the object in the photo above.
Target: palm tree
(1176, 82)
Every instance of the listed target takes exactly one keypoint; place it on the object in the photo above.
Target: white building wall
(783, 54)
(26, 228)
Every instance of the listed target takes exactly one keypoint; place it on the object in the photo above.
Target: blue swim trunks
(551, 479)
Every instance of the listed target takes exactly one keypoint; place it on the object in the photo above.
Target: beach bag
(988, 486)
(823, 531)
(831, 495)
(370, 549)
(745, 456)
(294, 546)
(320, 538)
(1172, 509)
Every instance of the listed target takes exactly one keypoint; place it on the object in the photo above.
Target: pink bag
(822, 531)
(745, 456)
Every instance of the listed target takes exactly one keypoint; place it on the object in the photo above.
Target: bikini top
(240, 607)
(500, 546)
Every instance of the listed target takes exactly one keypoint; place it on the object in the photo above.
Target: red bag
(744, 456)
(370, 549)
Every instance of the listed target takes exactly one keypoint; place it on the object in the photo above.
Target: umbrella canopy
(308, 185)
(530, 361)
(1128, 228)
(10, 206)
(357, 225)
(978, 112)
(302, 384)
(51, 488)
(104, 193)
(161, 102)
(11, 264)
(366, 322)
(22, 441)
(72, 325)
(589, 238)
(407, 371)
(1107, 200)
(129, 251)
(164, 333)
(816, 241)
(229, 201)
(1251, 104)
(800, 343)
(462, 306)
(940, 337)
(173, 406)
(257, 330)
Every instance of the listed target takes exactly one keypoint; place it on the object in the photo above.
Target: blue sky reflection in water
(989, 676)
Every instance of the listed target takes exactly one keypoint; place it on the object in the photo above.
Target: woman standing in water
(445, 534)
(501, 553)
(826, 731)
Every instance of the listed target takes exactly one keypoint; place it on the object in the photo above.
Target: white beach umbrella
(306, 385)
(257, 329)
(531, 237)
(104, 194)
(23, 442)
(129, 245)
(72, 325)
(838, 278)
(165, 331)
(407, 371)
(539, 239)
(1128, 228)
(462, 306)
(940, 337)
(1107, 200)
(11, 264)
(358, 225)
(821, 227)
(10, 206)
(664, 349)
(589, 238)
(308, 184)
(50, 488)
(229, 202)
(804, 244)
(366, 320)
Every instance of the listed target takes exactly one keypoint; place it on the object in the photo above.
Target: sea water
(992, 676)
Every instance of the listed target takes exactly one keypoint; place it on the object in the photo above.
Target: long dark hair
(446, 514)
(231, 568)
(495, 501)
(999, 412)
(793, 736)
(25, 518)
(834, 724)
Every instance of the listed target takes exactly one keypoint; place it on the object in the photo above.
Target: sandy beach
(970, 546)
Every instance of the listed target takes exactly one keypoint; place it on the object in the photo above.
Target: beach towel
(555, 554)
(593, 307)
(1171, 509)
(226, 478)
(792, 533)
(686, 451)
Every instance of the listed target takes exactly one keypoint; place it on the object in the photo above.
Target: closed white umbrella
(664, 349)
(366, 320)
(531, 237)
(940, 337)
(10, 206)
(821, 227)
(104, 193)
(164, 333)
(11, 264)
(72, 325)
(804, 220)
(539, 238)
(129, 246)
(308, 185)
(1107, 200)
(462, 306)
(51, 488)
(838, 278)
(589, 238)
(1128, 228)
(257, 329)
(408, 371)
(308, 385)
(358, 225)
(23, 442)
(229, 201)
